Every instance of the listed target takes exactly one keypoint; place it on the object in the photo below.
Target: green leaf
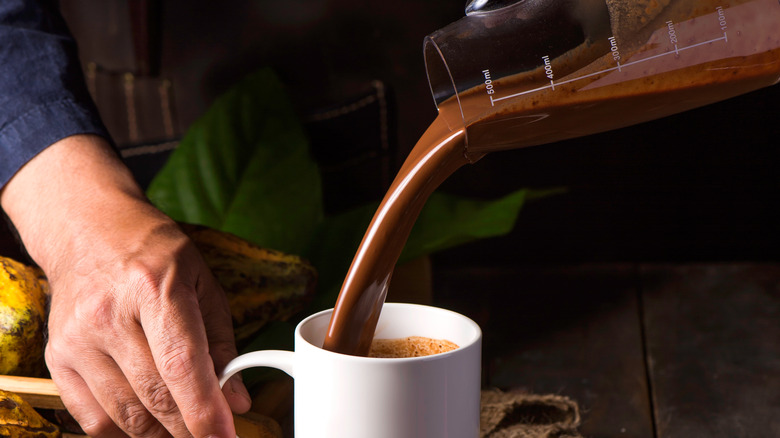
(447, 221)
(244, 167)
(444, 222)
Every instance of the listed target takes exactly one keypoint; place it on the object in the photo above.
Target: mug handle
(280, 359)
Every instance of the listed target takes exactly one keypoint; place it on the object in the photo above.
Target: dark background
(612, 293)
(698, 186)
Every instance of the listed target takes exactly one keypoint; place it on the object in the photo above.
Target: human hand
(139, 335)
(138, 327)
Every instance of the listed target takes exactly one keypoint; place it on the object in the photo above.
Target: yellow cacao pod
(23, 302)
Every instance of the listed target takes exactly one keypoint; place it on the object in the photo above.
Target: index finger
(179, 345)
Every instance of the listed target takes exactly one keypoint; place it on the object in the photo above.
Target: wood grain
(713, 341)
(40, 393)
(571, 330)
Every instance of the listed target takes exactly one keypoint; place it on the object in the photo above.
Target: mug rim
(473, 342)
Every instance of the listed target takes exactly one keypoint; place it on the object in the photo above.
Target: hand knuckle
(51, 354)
(177, 362)
(145, 278)
(59, 352)
(97, 311)
(95, 426)
(135, 419)
(158, 398)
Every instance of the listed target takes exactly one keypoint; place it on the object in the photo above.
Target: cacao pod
(261, 284)
(23, 301)
(19, 420)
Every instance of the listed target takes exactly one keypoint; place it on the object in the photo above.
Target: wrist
(73, 196)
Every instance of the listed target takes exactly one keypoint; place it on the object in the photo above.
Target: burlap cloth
(523, 415)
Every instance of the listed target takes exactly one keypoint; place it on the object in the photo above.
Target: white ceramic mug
(338, 395)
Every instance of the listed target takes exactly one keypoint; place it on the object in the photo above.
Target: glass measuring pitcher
(528, 72)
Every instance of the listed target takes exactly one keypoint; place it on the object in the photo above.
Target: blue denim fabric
(43, 97)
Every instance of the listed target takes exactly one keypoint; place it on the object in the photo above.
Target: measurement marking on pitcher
(616, 56)
(672, 36)
(548, 70)
(615, 52)
(721, 19)
(488, 83)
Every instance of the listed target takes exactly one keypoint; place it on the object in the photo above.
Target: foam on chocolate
(412, 346)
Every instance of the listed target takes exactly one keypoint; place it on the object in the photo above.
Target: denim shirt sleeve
(43, 97)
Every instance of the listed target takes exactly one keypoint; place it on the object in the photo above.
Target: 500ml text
(488, 82)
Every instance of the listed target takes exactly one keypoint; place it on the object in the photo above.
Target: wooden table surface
(647, 350)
